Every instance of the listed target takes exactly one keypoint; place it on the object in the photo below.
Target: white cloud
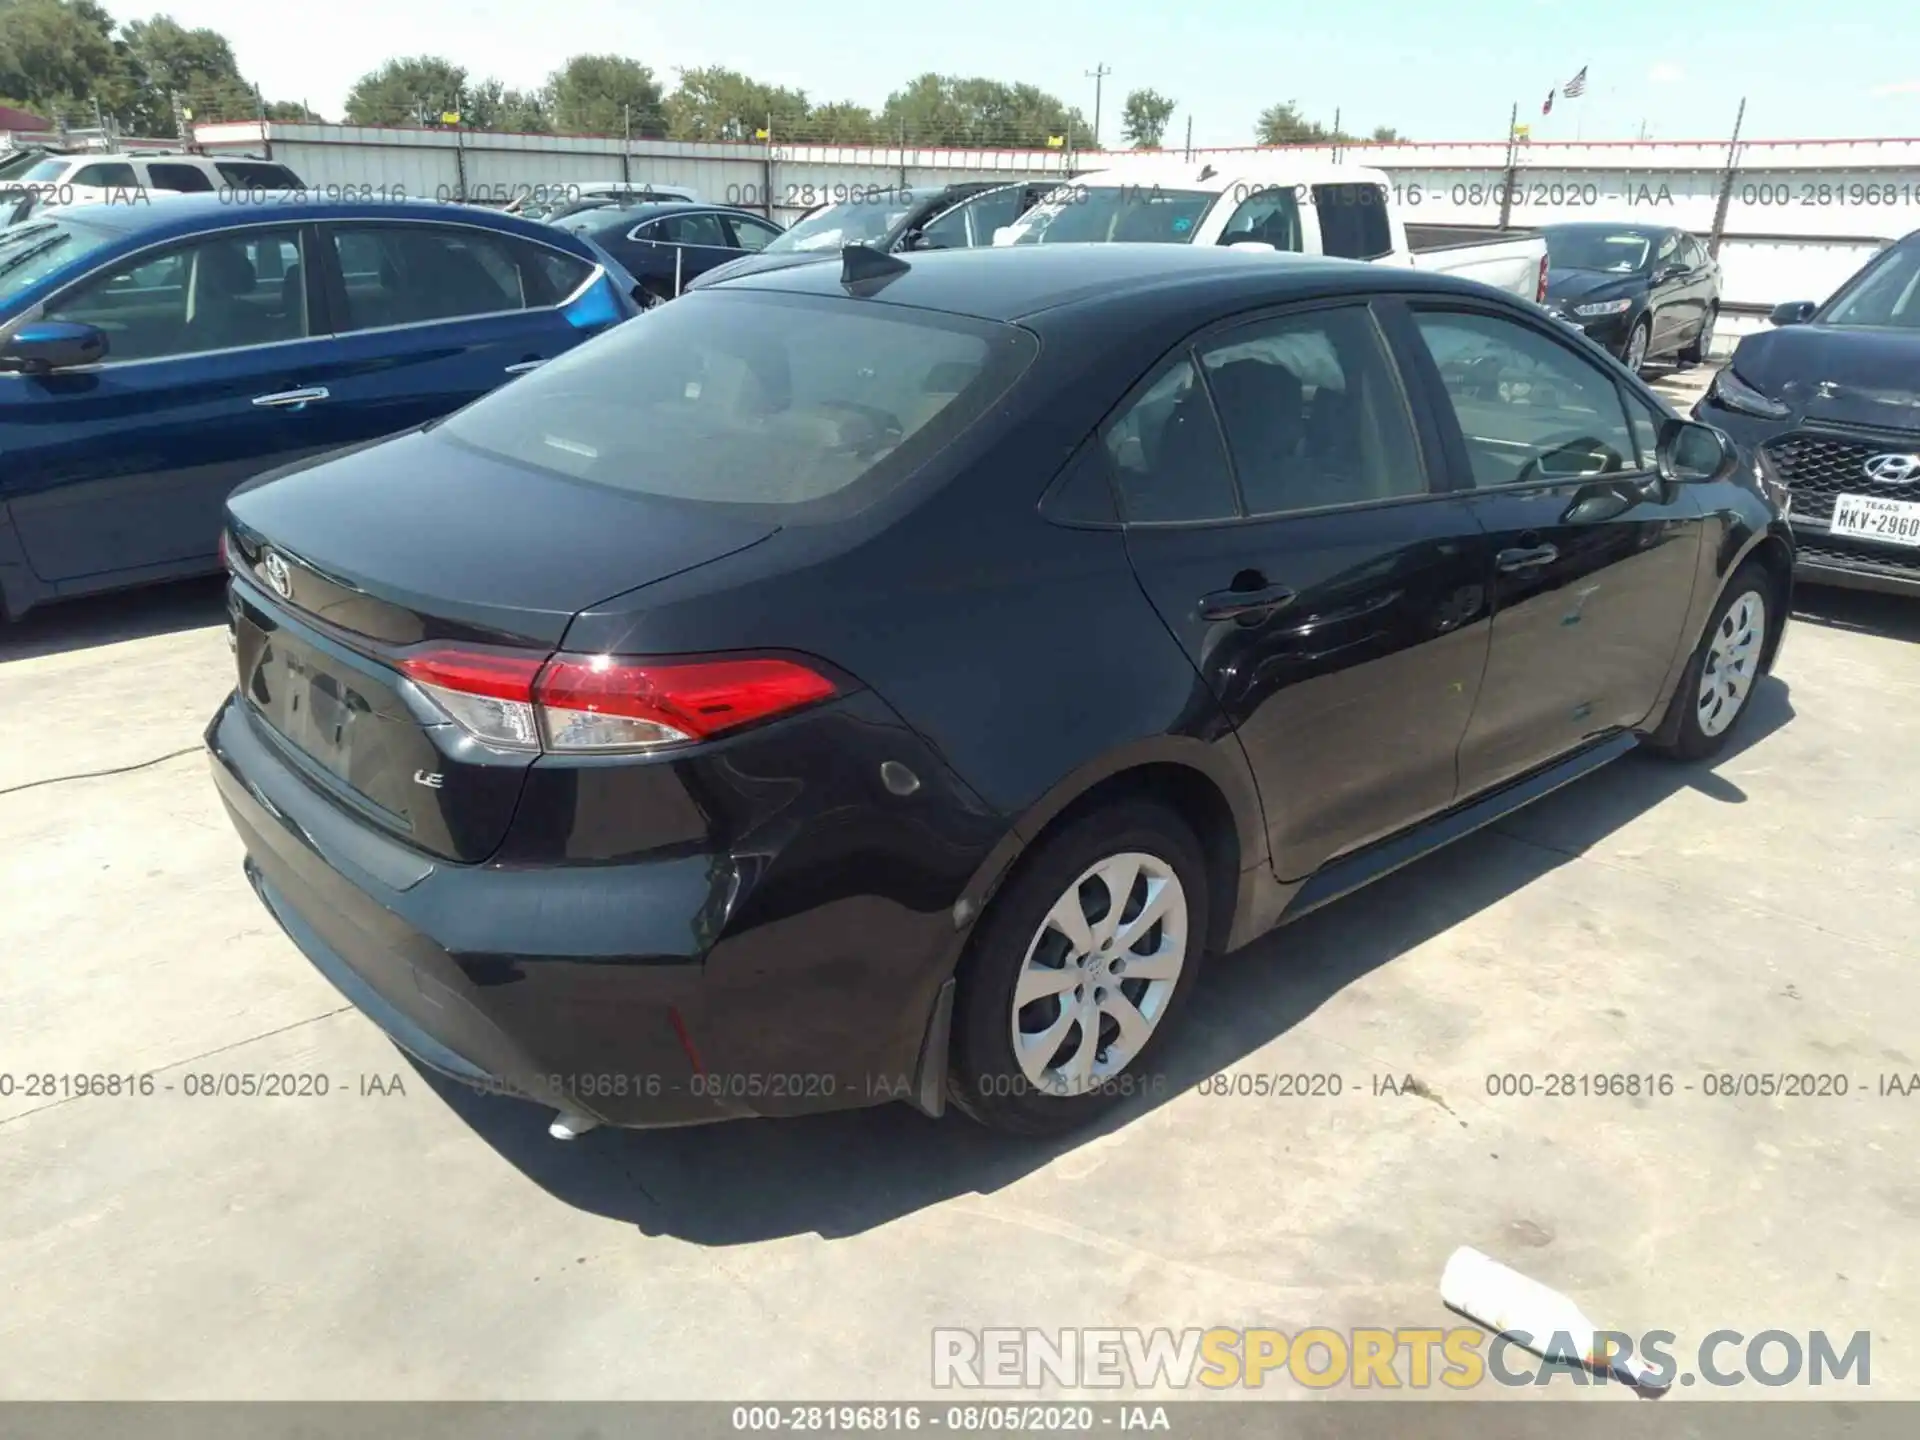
(1666, 73)
(1899, 87)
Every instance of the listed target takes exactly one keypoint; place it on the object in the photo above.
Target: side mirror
(1003, 235)
(49, 345)
(1690, 453)
(1793, 312)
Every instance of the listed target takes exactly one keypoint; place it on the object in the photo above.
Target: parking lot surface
(396, 1239)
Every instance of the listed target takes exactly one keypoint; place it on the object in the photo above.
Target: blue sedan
(154, 356)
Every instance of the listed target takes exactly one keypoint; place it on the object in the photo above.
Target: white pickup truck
(1289, 204)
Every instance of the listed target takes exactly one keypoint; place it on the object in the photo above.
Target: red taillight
(601, 702)
(573, 703)
(497, 674)
(1540, 286)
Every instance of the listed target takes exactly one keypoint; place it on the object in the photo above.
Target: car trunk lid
(346, 568)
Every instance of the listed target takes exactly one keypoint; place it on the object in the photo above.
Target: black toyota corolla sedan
(1830, 401)
(887, 678)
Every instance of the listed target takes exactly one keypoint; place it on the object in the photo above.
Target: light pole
(1097, 74)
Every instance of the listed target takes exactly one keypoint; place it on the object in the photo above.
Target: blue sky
(1434, 72)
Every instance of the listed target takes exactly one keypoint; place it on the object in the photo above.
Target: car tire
(1022, 945)
(1634, 356)
(1702, 345)
(1716, 691)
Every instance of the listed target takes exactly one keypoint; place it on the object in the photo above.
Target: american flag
(1577, 86)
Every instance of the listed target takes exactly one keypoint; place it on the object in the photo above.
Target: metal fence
(1789, 219)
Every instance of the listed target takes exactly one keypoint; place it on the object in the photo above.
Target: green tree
(1385, 135)
(1283, 124)
(594, 95)
(58, 56)
(1143, 119)
(196, 66)
(403, 91)
(715, 103)
(842, 123)
(975, 111)
(293, 112)
(490, 105)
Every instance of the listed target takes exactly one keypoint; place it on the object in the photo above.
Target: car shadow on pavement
(1867, 612)
(840, 1174)
(108, 619)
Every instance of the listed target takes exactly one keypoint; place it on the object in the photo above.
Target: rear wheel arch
(1231, 835)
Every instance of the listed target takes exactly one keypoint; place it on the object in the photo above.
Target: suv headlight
(1603, 307)
(1730, 390)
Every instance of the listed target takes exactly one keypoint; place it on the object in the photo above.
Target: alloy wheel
(1733, 660)
(1637, 348)
(1099, 973)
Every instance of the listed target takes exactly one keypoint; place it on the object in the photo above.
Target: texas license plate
(1868, 517)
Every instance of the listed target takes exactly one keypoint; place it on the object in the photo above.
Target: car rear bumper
(616, 991)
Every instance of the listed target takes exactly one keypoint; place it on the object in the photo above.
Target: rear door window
(1353, 221)
(417, 274)
(181, 179)
(810, 406)
(1313, 412)
(702, 229)
(1168, 460)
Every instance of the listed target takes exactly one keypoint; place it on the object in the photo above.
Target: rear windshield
(856, 222)
(46, 170)
(1138, 213)
(815, 406)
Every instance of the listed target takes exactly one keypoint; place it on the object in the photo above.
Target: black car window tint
(1166, 453)
(205, 295)
(183, 179)
(414, 274)
(696, 230)
(1313, 413)
(1529, 409)
(1353, 221)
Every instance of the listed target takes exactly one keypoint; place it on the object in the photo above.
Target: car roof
(1217, 178)
(160, 216)
(1009, 283)
(1602, 227)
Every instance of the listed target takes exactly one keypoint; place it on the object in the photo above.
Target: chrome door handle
(1508, 561)
(292, 399)
(524, 366)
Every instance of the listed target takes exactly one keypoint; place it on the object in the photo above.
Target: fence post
(1513, 161)
(1726, 184)
(626, 145)
(460, 162)
(903, 154)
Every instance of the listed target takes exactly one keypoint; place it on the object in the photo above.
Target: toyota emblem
(278, 575)
(1893, 469)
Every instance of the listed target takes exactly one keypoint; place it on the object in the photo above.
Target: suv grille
(1818, 467)
(1879, 558)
